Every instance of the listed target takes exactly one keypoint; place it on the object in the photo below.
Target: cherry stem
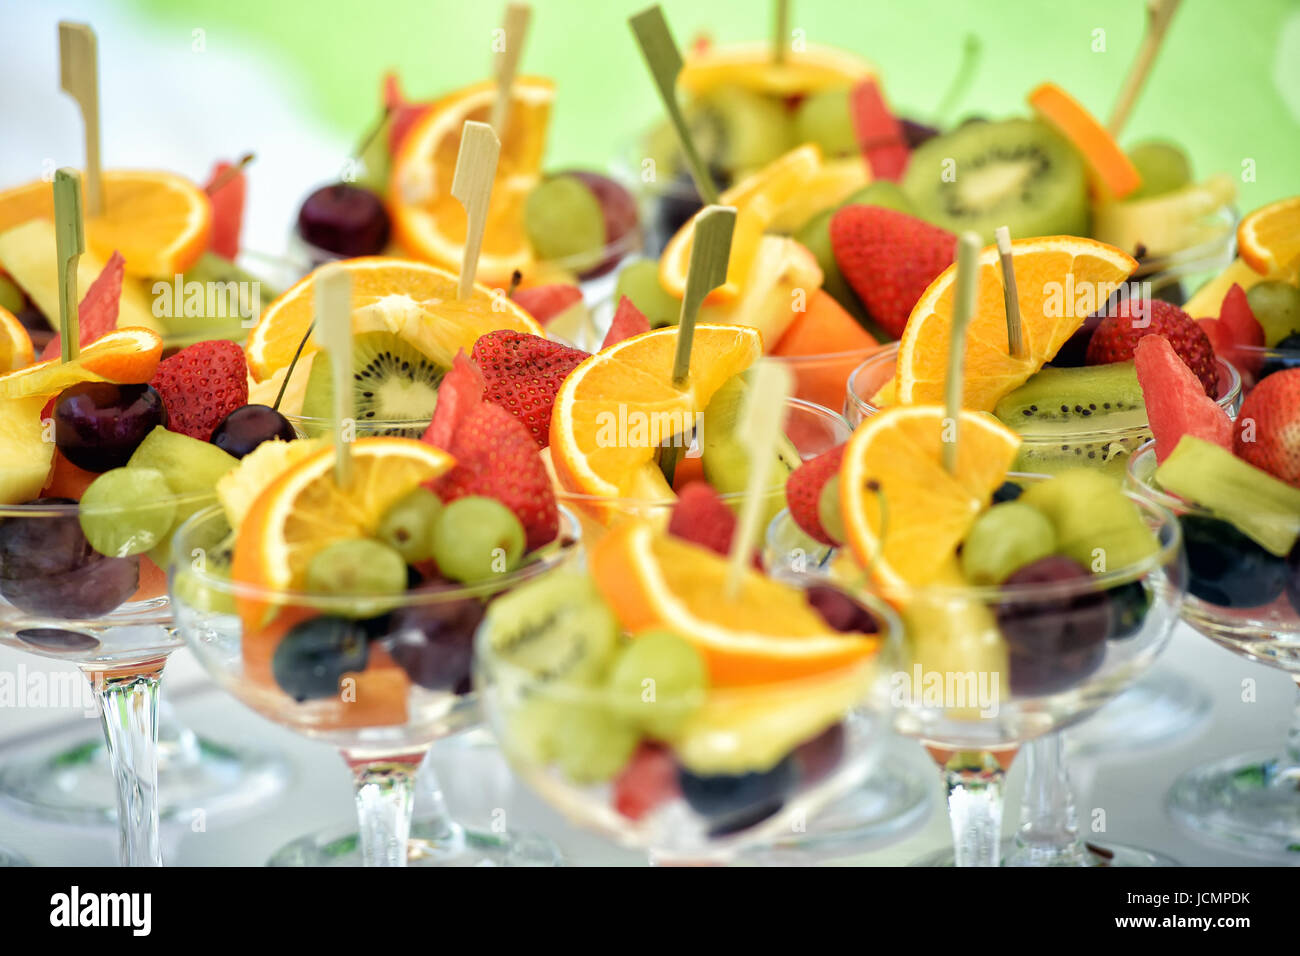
(292, 365)
(960, 84)
(373, 132)
(220, 182)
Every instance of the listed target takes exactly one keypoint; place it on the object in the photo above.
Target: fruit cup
(378, 679)
(1246, 600)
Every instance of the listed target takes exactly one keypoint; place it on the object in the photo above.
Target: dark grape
(345, 220)
(619, 209)
(248, 426)
(1007, 491)
(98, 425)
(915, 134)
(1129, 604)
(1074, 353)
(818, 758)
(1293, 578)
(840, 611)
(1054, 641)
(676, 206)
(48, 567)
(734, 802)
(1227, 568)
(312, 658)
(434, 643)
(38, 328)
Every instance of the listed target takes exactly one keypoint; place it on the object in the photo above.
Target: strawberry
(1117, 337)
(628, 321)
(1175, 399)
(200, 385)
(1268, 427)
(522, 373)
(495, 455)
(402, 113)
(648, 781)
(803, 491)
(702, 517)
(97, 314)
(889, 258)
(545, 302)
(227, 211)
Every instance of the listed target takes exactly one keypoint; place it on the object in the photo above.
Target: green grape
(590, 742)
(824, 119)
(659, 680)
(475, 538)
(360, 568)
(564, 221)
(639, 281)
(1004, 539)
(127, 511)
(1163, 167)
(408, 526)
(1277, 308)
(11, 297)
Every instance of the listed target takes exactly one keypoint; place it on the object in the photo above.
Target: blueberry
(1226, 568)
(734, 802)
(1007, 491)
(312, 658)
(1280, 363)
(840, 611)
(1129, 604)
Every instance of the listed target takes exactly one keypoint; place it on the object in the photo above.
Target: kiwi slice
(556, 627)
(1017, 173)
(1063, 402)
(393, 381)
(739, 129)
(726, 458)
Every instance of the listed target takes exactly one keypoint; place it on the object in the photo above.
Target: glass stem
(1293, 734)
(974, 779)
(128, 706)
(1049, 822)
(385, 795)
(177, 744)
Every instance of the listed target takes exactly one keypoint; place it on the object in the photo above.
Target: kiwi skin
(1082, 397)
(393, 381)
(945, 174)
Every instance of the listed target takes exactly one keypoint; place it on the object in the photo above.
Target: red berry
(522, 373)
(803, 491)
(702, 517)
(1118, 334)
(1268, 427)
(200, 385)
(648, 781)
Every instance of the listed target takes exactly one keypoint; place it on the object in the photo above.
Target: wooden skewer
(332, 300)
(710, 254)
(780, 30)
(69, 244)
(968, 253)
(1159, 13)
(79, 77)
(507, 62)
(760, 429)
(1010, 295)
(476, 168)
(665, 63)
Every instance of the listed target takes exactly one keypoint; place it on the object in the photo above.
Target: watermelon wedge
(1175, 398)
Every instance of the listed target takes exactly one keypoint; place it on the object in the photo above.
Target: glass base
(1249, 802)
(75, 785)
(1162, 707)
(431, 844)
(1109, 854)
(893, 800)
(10, 858)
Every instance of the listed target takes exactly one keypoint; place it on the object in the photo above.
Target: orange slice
(1054, 275)
(15, 344)
(428, 221)
(159, 221)
(606, 411)
(410, 299)
(759, 199)
(1269, 238)
(767, 634)
(750, 65)
(1111, 171)
(126, 356)
(904, 515)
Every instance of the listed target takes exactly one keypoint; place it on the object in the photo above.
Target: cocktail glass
(974, 704)
(64, 601)
(675, 833)
(385, 744)
(1249, 801)
(1164, 705)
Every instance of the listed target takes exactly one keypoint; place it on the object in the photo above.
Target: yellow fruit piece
(159, 221)
(613, 411)
(782, 267)
(238, 488)
(758, 200)
(769, 633)
(1183, 219)
(1054, 275)
(750, 65)
(904, 514)
(123, 356)
(15, 344)
(1269, 238)
(27, 253)
(410, 299)
(1207, 302)
(428, 221)
(25, 455)
(837, 180)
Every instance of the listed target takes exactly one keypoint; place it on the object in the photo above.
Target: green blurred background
(1226, 86)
